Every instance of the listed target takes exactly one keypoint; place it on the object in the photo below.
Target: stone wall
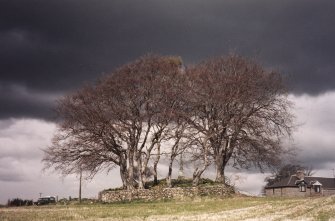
(164, 193)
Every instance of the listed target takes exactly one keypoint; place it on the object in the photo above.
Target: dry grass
(236, 208)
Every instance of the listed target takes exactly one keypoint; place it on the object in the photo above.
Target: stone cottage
(301, 185)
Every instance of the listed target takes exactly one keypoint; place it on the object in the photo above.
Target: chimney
(300, 174)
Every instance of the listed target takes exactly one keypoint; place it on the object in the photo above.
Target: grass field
(235, 208)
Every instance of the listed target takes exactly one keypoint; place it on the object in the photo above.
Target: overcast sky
(50, 48)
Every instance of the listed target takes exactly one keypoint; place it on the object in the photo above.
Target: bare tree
(240, 110)
(118, 121)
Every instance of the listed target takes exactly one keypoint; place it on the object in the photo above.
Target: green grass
(235, 208)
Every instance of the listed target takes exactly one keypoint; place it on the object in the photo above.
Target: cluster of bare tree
(223, 110)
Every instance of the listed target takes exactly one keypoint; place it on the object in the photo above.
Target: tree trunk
(130, 178)
(141, 177)
(198, 172)
(220, 177)
(141, 166)
(80, 177)
(197, 175)
(196, 180)
(141, 182)
(221, 156)
(220, 166)
(168, 178)
(123, 171)
(156, 163)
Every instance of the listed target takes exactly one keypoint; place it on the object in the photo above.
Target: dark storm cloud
(18, 101)
(51, 47)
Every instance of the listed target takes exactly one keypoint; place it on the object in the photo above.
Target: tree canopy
(223, 110)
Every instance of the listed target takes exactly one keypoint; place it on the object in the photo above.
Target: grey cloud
(11, 176)
(23, 141)
(314, 138)
(317, 157)
(11, 168)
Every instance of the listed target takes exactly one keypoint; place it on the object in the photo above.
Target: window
(302, 187)
(317, 189)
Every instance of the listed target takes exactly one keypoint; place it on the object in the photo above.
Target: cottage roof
(316, 183)
(327, 183)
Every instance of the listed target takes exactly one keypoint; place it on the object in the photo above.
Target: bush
(20, 202)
